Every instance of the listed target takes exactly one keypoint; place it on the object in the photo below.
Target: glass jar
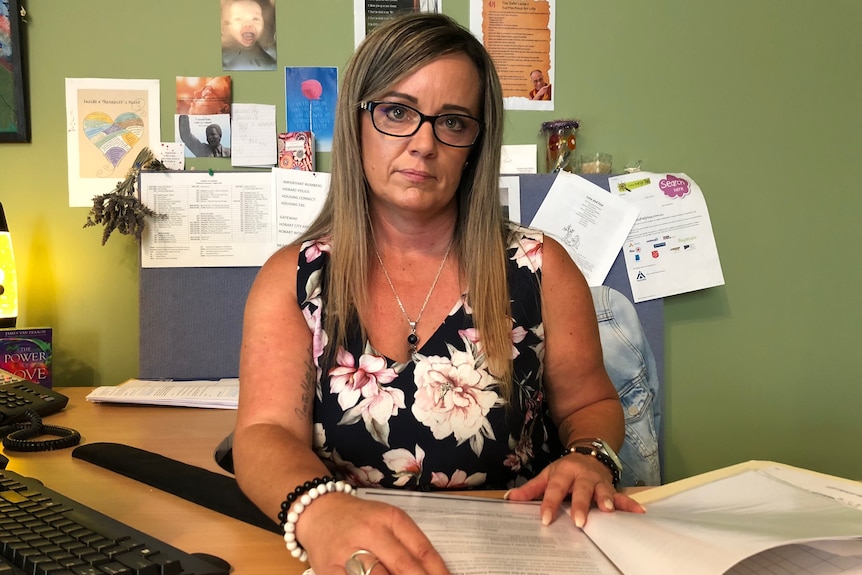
(560, 141)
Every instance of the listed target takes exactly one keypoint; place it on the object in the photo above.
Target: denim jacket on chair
(631, 366)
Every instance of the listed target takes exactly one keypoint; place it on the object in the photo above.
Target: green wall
(757, 101)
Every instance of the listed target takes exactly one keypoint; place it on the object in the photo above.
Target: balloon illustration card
(310, 93)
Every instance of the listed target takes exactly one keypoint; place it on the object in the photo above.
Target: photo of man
(214, 142)
(541, 89)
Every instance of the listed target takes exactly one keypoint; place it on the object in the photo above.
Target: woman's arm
(582, 399)
(273, 438)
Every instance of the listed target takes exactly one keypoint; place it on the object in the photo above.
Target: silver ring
(362, 562)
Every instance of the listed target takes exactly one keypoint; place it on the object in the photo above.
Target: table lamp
(8, 277)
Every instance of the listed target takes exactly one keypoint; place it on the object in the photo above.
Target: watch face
(605, 448)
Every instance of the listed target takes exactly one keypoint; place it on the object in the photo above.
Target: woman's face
(418, 173)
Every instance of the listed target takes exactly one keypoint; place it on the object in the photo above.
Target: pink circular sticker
(674, 187)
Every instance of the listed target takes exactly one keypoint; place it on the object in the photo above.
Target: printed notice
(671, 248)
(226, 219)
(519, 35)
(589, 223)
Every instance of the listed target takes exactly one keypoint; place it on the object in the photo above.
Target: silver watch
(599, 449)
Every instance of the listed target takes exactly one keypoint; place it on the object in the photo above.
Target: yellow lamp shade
(8, 277)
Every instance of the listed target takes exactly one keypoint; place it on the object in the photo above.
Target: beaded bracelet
(308, 492)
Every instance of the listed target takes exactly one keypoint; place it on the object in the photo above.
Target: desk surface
(184, 434)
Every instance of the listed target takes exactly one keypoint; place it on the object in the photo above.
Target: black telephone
(18, 396)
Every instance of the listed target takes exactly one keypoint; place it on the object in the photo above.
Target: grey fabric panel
(191, 321)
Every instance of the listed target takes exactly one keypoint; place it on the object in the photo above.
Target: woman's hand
(336, 526)
(585, 478)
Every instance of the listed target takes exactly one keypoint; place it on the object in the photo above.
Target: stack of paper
(215, 394)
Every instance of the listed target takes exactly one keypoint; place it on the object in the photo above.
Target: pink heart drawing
(113, 137)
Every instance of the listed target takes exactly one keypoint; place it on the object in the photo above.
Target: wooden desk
(184, 434)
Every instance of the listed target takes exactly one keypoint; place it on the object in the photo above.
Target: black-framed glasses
(402, 121)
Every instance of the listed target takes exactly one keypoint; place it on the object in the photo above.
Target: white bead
(297, 552)
(305, 499)
(299, 507)
(330, 487)
(339, 486)
(303, 556)
(289, 527)
(348, 488)
(320, 490)
(291, 545)
(288, 537)
(292, 516)
(313, 494)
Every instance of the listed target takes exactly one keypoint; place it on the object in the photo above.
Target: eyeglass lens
(402, 120)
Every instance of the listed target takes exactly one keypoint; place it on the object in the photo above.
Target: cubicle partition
(191, 318)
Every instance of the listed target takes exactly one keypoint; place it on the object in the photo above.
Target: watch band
(603, 458)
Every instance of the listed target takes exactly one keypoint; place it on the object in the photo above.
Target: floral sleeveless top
(436, 422)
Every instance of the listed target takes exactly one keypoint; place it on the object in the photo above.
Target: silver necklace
(413, 339)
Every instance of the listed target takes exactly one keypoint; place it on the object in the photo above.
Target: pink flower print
(313, 288)
(379, 403)
(459, 480)
(512, 461)
(365, 476)
(529, 253)
(518, 335)
(453, 397)
(319, 339)
(539, 348)
(314, 248)
(350, 382)
(405, 464)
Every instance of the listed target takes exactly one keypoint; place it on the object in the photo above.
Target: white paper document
(671, 248)
(226, 219)
(254, 141)
(479, 536)
(217, 394)
(708, 529)
(757, 519)
(588, 221)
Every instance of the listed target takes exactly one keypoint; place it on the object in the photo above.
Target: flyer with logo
(671, 247)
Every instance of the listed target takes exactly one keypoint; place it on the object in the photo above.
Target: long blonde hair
(388, 54)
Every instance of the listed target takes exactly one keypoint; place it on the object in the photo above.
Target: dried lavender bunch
(121, 209)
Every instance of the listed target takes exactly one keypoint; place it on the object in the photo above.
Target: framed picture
(14, 113)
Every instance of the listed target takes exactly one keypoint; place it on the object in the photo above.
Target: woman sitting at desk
(411, 337)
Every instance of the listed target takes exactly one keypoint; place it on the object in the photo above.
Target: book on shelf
(28, 353)
(754, 517)
(296, 151)
(213, 394)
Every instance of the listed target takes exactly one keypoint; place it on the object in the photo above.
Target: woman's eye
(454, 123)
(396, 113)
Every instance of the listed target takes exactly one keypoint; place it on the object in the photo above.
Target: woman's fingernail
(506, 495)
(546, 517)
(609, 504)
(580, 520)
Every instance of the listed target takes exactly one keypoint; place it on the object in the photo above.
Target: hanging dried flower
(121, 209)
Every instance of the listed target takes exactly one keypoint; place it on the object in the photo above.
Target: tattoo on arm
(308, 384)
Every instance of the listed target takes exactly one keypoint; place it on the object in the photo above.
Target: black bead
(412, 339)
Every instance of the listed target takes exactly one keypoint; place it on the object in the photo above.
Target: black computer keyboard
(44, 532)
